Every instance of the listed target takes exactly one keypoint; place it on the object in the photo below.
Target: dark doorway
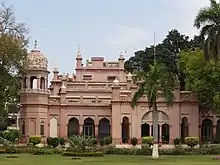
(73, 127)
(145, 130)
(125, 130)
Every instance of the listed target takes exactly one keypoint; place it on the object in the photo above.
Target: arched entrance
(217, 136)
(207, 130)
(73, 127)
(89, 128)
(184, 128)
(163, 126)
(145, 130)
(125, 130)
(104, 128)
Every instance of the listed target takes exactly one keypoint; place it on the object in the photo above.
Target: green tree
(156, 79)
(166, 53)
(202, 78)
(208, 21)
(13, 54)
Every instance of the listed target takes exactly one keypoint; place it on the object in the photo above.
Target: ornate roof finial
(55, 69)
(121, 55)
(78, 52)
(35, 44)
(78, 49)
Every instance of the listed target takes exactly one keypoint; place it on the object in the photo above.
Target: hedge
(144, 150)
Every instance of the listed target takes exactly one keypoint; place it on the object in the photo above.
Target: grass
(108, 160)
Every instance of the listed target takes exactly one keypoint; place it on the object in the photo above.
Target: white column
(150, 129)
(130, 133)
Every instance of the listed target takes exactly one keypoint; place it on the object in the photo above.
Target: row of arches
(146, 129)
(163, 131)
(163, 126)
(207, 131)
(32, 83)
(89, 128)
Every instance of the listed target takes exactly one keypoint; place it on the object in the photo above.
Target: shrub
(49, 141)
(94, 141)
(182, 140)
(30, 150)
(101, 142)
(35, 140)
(134, 141)
(2, 140)
(62, 141)
(84, 154)
(55, 142)
(177, 141)
(147, 140)
(43, 151)
(47, 151)
(108, 140)
(81, 143)
(191, 141)
(11, 135)
(109, 149)
(145, 149)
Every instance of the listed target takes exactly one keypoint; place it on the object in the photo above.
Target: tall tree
(13, 55)
(150, 82)
(208, 21)
(166, 52)
(202, 78)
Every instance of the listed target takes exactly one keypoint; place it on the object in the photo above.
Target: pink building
(95, 101)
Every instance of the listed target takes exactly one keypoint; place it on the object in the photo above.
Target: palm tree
(156, 79)
(208, 22)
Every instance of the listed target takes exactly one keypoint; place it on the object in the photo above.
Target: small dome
(36, 60)
(115, 82)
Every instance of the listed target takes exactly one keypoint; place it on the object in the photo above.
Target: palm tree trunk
(155, 152)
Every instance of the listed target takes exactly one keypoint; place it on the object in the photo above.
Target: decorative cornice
(35, 105)
(88, 90)
(82, 105)
(146, 102)
(98, 69)
(34, 91)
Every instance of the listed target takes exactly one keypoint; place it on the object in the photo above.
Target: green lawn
(107, 160)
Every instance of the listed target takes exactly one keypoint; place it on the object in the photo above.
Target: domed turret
(36, 60)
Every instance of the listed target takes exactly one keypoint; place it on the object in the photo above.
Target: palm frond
(156, 79)
(214, 3)
(203, 17)
(208, 15)
(141, 91)
(205, 30)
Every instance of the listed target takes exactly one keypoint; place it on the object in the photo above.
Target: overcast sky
(101, 27)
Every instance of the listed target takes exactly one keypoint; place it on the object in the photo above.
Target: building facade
(95, 101)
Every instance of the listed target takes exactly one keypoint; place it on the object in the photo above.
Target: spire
(78, 48)
(55, 69)
(121, 56)
(78, 52)
(35, 47)
(35, 44)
